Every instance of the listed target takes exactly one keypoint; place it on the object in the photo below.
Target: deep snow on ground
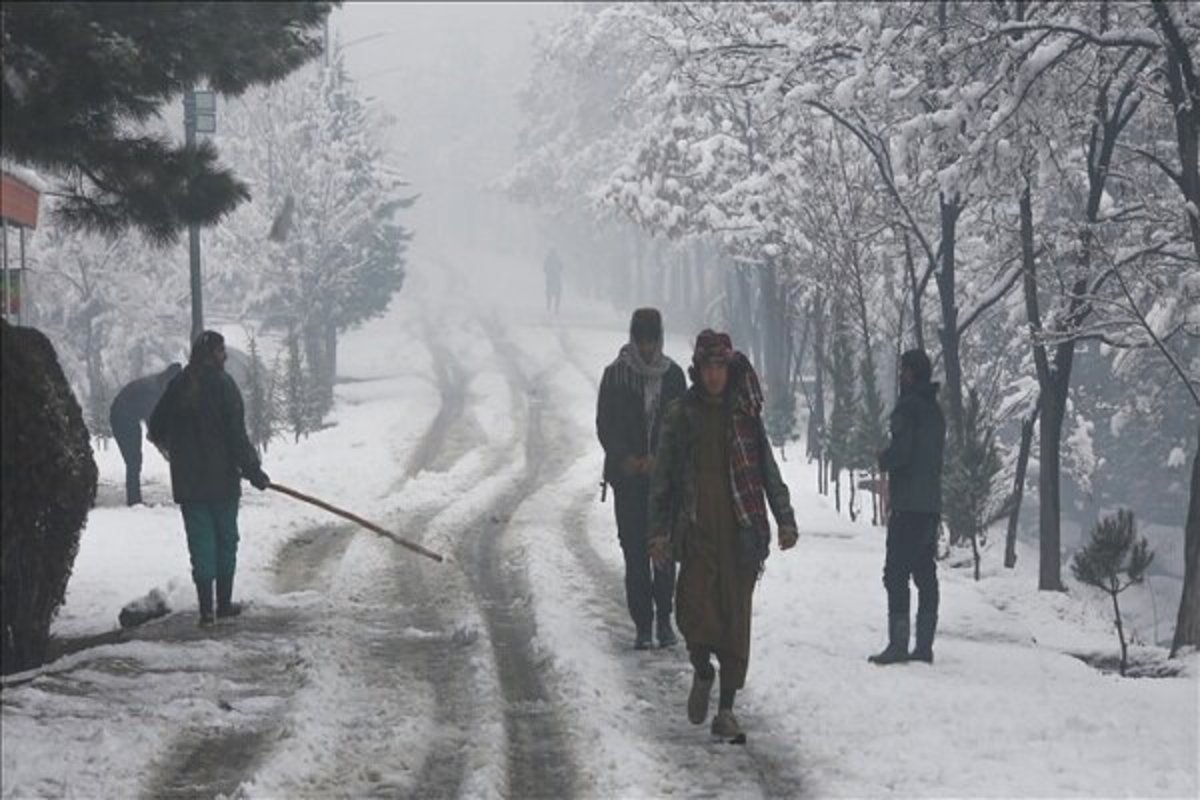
(358, 670)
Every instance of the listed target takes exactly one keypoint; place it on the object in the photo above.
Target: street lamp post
(199, 116)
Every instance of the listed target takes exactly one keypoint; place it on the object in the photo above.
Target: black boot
(897, 650)
(926, 627)
(666, 634)
(204, 593)
(225, 605)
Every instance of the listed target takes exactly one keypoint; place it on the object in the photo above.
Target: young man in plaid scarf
(714, 478)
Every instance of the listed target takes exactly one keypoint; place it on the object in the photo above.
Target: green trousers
(212, 535)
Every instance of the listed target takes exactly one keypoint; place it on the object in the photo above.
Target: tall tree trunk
(1054, 399)
(816, 422)
(914, 288)
(1183, 95)
(1187, 624)
(1054, 383)
(331, 353)
(949, 335)
(1114, 591)
(1018, 492)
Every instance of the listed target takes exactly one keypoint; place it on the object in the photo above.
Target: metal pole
(7, 293)
(21, 277)
(189, 128)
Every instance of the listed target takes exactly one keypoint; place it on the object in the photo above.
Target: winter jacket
(673, 490)
(621, 419)
(137, 399)
(200, 424)
(913, 459)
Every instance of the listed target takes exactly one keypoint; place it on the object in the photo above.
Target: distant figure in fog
(132, 406)
(554, 283)
(913, 463)
(635, 392)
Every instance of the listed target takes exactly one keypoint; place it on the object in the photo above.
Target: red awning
(18, 201)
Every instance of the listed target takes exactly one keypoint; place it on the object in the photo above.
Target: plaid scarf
(745, 462)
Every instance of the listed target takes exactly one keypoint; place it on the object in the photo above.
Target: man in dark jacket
(913, 461)
(200, 424)
(133, 405)
(635, 391)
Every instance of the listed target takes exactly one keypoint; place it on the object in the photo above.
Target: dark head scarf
(205, 348)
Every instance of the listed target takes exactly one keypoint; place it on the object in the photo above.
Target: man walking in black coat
(636, 389)
(133, 405)
(913, 461)
(200, 424)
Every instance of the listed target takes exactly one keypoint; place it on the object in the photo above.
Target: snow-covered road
(363, 670)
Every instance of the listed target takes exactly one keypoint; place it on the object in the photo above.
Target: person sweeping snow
(708, 512)
(200, 426)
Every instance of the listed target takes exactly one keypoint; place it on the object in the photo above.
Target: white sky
(449, 73)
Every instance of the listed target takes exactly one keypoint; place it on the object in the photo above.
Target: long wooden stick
(371, 526)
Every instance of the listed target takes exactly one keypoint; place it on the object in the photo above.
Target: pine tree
(82, 79)
(333, 256)
(260, 400)
(841, 420)
(296, 390)
(868, 434)
(1114, 559)
(969, 482)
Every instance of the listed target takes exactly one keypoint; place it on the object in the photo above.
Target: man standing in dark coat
(635, 391)
(133, 405)
(913, 461)
(200, 424)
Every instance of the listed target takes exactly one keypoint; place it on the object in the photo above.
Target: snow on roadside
(1005, 710)
(97, 721)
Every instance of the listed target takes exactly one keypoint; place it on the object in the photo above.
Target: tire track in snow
(540, 759)
(413, 633)
(691, 752)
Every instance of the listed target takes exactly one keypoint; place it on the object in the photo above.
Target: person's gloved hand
(258, 479)
(788, 537)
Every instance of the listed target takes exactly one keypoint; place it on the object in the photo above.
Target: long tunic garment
(715, 588)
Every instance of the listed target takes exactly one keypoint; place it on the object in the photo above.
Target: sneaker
(206, 620)
(699, 698)
(643, 642)
(666, 634)
(725, 726)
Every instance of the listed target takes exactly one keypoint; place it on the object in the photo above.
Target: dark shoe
(725, 726)
(231, 610)
(643, 641)
(666, 634)
(700, 697)
(897, 650)
(926, 628)
(225, 606)
(204, 596)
